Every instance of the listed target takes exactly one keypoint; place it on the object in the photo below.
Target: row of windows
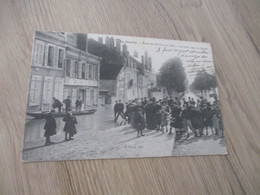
(75, 69)
(48, 55)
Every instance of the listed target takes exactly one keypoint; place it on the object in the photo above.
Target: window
(58, 88)
(35, 90)
(68, 68)
(90, 72)
(50, 56)
(38, 53)
(76, 69)
(61, 58)
(83, 70)
(47, 93)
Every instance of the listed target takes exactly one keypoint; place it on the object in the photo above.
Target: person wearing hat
(139, 122)
(56, 104)
(164, 116)
(50, 127)
(207, 115)
(67, 103)
(120, 110)
(69, 128)
(176, 120)
(78, 104)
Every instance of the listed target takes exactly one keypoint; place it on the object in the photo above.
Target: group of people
(168, 113)
(70, 120)
(67, 102)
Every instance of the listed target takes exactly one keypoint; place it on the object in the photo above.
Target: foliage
(204, 81)
(172, 76)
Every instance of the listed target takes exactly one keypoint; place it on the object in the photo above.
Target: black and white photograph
(98, 96)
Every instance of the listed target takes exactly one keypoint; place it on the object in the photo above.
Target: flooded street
(102, 119)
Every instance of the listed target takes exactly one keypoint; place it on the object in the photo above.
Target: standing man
(120, 110)
(50, 127)
(67, 103)
(78, 104)
(115, 110)
(56, 104)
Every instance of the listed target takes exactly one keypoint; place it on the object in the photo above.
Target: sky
(195, 56)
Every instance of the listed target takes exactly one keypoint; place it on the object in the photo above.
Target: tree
(204, 81)
(172, 76)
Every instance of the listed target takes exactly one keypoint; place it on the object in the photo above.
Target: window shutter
(35, 53)
(80, 70)
(87, 71)
(35, 90)
(72, 68)
(55, 58)
(46, 55)
(41, 53)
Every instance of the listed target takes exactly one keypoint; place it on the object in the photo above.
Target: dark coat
(67, 102)
(70, 122)
(176, 118)
(139, 121)
(50, 126)
(207, 114)
(56, 104)
(78, 103)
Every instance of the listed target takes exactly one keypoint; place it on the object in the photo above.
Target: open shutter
(46, 55)
(72, 68)
(80, 70)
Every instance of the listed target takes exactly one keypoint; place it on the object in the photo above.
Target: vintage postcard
(94, 96)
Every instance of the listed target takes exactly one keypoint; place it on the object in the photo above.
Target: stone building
(136, 79)
(62, 67)
(121, 75)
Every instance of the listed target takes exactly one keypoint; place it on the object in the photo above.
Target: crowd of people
(182, 114)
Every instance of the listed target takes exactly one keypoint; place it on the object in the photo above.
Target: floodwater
(102, 119)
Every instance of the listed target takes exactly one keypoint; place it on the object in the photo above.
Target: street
(205, 145)
(97, 137)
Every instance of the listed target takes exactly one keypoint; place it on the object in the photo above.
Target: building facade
(134, 80)
(62, 67)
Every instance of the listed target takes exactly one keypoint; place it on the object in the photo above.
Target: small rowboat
(41, 115)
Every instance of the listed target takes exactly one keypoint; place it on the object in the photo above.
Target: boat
(41, 115)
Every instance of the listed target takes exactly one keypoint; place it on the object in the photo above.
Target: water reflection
(102, 119)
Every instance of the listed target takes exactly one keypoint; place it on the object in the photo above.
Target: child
(140, 123)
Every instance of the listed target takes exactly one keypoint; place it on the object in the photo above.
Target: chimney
(107, 41)
(124, 50)
(150, 63)
(112, 43)
(118, 45)
(143, 60)
(82, 41)
(100, 40)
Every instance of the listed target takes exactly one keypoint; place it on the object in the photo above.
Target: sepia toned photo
(95, 96)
